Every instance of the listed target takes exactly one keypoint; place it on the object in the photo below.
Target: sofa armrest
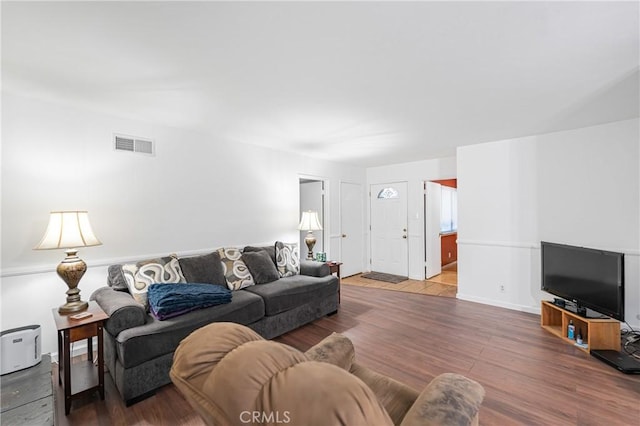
(314, 269)
(450, 399)
(124, 312)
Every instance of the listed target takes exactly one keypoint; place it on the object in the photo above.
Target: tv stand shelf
(596, 333)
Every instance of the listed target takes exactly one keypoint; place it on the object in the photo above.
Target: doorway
(312, 197)
(441, 231)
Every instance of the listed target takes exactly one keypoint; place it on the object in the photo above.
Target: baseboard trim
(77, 350)
(500, 304)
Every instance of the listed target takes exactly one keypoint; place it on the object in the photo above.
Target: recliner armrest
(450, 399)
(314, 269)
(124, 312)
(396, 397)
(335, 349)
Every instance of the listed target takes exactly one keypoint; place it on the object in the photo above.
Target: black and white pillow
(235, 270)
(139, 276)
(287, 259)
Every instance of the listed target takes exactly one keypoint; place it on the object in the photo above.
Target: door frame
(441, 181)
(326, 219)
(427, 235)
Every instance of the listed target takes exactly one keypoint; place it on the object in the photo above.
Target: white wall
(195, 194)
(579, 187)
(414, 173)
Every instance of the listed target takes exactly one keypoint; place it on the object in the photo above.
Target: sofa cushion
(271, 250)
(204, 269)
(291, 292)
(287, 258)
(262, 269)
(141, 275)
(156, 338)
(235, 270)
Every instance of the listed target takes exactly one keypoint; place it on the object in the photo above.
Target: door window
(388, 193)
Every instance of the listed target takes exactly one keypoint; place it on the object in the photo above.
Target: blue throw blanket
(170, 300)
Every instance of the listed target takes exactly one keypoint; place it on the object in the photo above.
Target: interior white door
(352, 229)
(432, 210)
(389, 232)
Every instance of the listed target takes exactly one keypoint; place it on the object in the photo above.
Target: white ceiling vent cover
(133, 144)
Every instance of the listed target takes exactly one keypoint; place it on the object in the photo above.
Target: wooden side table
(334, 267)
(83, 380)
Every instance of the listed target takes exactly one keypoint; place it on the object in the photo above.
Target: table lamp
(310, 223)
(69, 230)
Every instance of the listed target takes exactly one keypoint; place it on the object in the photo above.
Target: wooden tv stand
(596, 333)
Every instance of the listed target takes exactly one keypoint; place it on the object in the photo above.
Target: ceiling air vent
(133, 144)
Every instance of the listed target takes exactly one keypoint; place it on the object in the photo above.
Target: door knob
(404, 229)
(344, 235)
(404, 236)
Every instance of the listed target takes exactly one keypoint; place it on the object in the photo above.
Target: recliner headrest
(256, 381)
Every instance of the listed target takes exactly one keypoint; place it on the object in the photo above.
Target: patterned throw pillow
(235, 270)
(141, 275)
(287, 259)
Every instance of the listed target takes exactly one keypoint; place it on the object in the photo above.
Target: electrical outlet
(501, 288)
(449, 255)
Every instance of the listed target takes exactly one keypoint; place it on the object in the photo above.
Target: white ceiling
(361, 82)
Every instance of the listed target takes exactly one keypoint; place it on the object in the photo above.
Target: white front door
(432, 207)
(389, 232)
(352, 229)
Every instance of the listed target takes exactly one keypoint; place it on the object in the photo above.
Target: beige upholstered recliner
(232, 376)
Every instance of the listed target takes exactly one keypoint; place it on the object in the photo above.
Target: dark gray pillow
(205, 269)
(271, 250)
(116, 279)
(262, 269)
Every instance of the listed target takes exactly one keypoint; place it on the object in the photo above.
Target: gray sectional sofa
(138, 348)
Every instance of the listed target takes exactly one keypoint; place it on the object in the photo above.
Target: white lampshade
(309, 221)
(68, 229)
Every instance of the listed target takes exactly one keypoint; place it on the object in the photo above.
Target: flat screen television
(590, 278)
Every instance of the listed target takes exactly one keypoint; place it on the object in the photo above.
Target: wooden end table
(334, 267)
(83, 380)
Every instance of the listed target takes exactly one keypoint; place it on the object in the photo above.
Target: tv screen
(591, 278)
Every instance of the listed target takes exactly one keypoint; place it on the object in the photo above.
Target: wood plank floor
(530, 376)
